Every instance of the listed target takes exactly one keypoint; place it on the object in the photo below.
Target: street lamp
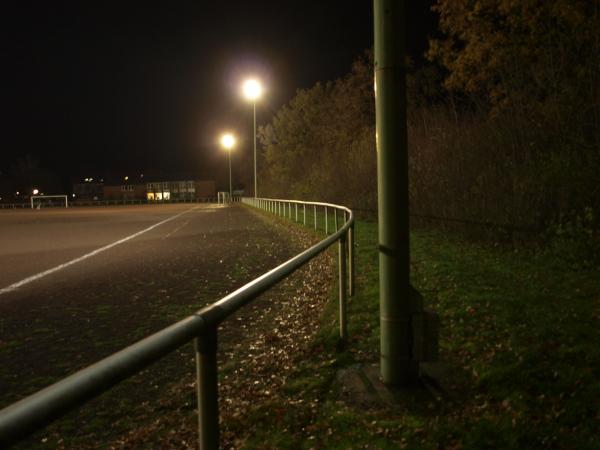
(228, 141)
(252, 91)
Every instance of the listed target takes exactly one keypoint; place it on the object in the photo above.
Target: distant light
(228, 141)
(73, 195)
(252, 89)
(18, 193)
(141, 175)
(35, 192)
(126, 178)
(91, 179)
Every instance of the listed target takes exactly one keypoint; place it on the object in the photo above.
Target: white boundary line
(176, 229)
(37, 276)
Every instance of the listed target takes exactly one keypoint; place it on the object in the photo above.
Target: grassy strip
(519, 340)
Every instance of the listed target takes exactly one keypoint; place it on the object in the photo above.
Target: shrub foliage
(503, 121)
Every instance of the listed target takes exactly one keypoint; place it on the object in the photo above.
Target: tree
(321, 144)
(519, 50)
(534, 65)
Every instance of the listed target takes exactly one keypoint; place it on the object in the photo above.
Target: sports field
(76, 285)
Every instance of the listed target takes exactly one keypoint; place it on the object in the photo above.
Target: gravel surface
(72, 318)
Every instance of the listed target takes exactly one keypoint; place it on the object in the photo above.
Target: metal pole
(255, 179)
(296, 204)
(304, 208)
(207, 390)
(335, 219)
(398, 366)
(230, 190)
(342, 286)
(351, 260)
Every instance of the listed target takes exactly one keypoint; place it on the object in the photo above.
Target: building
(180, 191)
(125, 187)
(160, 189)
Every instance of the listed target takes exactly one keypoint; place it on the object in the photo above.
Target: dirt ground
(71, 320)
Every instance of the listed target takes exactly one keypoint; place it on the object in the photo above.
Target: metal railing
(22, 418)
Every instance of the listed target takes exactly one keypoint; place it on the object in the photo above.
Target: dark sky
(90, 86)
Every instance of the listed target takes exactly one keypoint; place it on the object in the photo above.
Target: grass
(518, 345)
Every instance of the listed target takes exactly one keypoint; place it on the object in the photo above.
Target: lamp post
(252, 91)
(228, 141)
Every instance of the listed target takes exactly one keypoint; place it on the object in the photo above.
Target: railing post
(335, 219)
(207, 390)
(351, 259)
(290, 210)
(304, 207)
(315, 215)
(342, 286)
(296, 204)
(326, 225)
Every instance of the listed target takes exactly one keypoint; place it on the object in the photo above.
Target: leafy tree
(535, 66)
(321, 145)
(520, 50)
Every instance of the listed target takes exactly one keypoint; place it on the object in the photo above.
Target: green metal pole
(342, 287)
(335, 219)
(207, 390)
(351, 260)
(398, 365)
(230, 190)
(255, 180)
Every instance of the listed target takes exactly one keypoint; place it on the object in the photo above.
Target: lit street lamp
(253, 90)
(228, 141)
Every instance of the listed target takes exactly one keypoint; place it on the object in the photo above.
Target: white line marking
(37, 276)
(176, 230)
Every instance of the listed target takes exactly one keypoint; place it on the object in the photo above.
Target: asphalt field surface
(76, 285)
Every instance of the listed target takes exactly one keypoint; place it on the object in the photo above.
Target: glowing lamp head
(36, 192)
(252, 89)
(228, 141)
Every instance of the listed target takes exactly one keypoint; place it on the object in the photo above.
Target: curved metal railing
(38, 410)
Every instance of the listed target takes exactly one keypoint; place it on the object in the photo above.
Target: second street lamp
(228, 141)
(252, 91)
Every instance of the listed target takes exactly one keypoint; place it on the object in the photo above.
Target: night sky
(96, 86)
